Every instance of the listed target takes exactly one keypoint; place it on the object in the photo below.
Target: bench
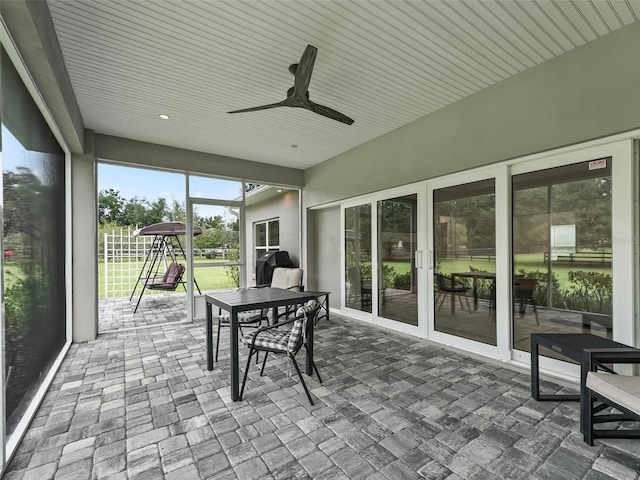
(619, 392)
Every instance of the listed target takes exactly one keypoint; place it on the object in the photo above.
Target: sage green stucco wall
(284, 207)
(590, 92)
(323, 251)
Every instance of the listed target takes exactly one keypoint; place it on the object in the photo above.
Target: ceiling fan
(298, 95)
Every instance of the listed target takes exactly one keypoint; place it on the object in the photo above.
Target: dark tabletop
(576, 342)
(253, 298)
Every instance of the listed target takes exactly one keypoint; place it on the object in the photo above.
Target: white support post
(106, 264)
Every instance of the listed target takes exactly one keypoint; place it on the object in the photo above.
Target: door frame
(503, 254)
(372, 200)
(623, 241)
(191, 202)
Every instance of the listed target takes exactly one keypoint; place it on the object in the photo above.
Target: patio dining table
(474, 275)
(242, 300)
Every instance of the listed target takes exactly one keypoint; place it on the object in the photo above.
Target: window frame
(267, 247)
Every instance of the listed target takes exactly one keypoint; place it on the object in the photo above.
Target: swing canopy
(166, 228)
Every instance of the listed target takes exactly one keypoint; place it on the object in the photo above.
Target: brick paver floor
(140, 404)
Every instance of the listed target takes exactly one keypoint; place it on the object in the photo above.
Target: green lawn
(527, 261)
(208, 278)
(216, 277)
(400, 266)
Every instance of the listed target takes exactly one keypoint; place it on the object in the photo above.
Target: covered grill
(268, 262)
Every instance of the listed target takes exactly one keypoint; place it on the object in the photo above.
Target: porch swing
(164, 251)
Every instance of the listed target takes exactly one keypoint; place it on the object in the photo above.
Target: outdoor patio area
(140, 404)
(156, 309)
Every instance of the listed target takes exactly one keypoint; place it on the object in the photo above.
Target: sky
(153, 184)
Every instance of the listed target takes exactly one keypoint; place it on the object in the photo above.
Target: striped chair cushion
(296, 338)
(273, 340)
(251, 316)
(283, 341)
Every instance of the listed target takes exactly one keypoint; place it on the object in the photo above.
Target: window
(267, 236)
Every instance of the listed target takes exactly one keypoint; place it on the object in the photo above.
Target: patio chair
(284, 338)
(251, 318)
(523, 290)
(446, 286)
(286, 278)
(617, 392)
(360, 288)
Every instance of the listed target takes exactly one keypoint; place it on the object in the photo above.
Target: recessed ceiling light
(279, 190)
(164, 116)
(294, 146)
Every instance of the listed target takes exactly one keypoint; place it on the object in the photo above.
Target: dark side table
(570, 345)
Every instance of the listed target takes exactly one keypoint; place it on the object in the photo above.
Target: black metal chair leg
(317, 372)
(264, 362)
(218, 339)
(313, 364)
(304, 385)
(246, 372)
(588, 419)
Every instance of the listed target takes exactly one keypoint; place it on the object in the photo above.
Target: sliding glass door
(357, 248)
(562, 251)
(541, 246)
(464, 273)
(397, 245)
(572, 241)
(382, 258)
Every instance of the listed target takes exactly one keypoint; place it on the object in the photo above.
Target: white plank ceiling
(383, 63)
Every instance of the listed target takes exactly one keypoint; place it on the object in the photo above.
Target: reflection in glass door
(562, 255)
(397, 274)
(357, 238)
(465, 261)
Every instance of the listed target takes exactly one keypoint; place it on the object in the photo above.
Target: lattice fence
(124, 256)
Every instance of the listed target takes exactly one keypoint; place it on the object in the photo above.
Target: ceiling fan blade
(261, 107)
(304, 70)
(330, 113)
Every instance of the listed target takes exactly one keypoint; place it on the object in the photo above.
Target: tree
(110, 206)
(23, 195)
(134, 212)
(156, 212)
(177, 212)
(115, 210)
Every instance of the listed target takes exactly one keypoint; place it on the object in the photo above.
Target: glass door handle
(430, 260)
(418, 259)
